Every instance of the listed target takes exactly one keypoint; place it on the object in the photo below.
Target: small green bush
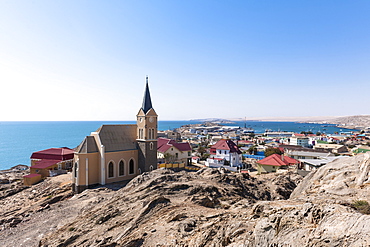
(361, 206)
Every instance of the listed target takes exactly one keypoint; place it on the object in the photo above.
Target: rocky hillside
(359, 121)
(164, 208)
(206, 208)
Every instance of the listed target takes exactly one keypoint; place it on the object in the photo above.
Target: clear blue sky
(87, 60)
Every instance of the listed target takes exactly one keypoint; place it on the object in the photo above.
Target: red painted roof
(32, 175)
(290, 160)
(54, 154)
(45, 163)
(227, 145)
(277, 160)
(195, 157)
(164, 144)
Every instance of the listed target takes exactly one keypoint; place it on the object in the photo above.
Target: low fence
(178, 166)
(172, 165)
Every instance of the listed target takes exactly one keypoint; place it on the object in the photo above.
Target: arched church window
(131, 167)
(110, 170)
(121, 168)
(151, 146)
(140, 133)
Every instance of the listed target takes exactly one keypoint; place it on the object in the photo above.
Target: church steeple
(146, 135)
(147, 102)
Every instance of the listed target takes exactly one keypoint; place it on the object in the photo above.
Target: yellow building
(118, 152)
(31, 179)
(172, 151)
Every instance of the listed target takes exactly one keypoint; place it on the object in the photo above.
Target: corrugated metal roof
(164, 144)
(54, 154)
(277, 160)
(32, 175)
(227, 145)
(45, 163)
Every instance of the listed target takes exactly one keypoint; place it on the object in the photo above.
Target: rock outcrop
(342, 179)
(211, 207)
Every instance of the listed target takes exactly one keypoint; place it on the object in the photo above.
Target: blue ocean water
(18, 140)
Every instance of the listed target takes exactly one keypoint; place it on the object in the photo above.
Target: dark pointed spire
(147, 102)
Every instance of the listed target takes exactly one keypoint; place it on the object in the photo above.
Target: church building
(118, 152)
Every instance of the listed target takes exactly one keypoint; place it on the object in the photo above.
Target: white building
(225, 151)
(299, 141)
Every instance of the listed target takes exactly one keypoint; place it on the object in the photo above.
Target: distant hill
(359, 121)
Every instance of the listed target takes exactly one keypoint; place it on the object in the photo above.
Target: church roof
(147, 102)
(118, 137)
(88, 145)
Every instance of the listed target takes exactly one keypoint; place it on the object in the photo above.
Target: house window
(110, 170)
(131, 167)
(189, 153)
(177, 155)
(121, 168)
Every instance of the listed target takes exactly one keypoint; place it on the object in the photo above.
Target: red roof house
(164, 144)
(178, 151)
(224, 144)
(54, 154)
(227, 150)
(51, 159)
(274, 162)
